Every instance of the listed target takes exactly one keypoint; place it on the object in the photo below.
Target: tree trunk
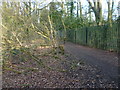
(80, 10)
(77, 9)
(110, 11)
(71, 8)
(97, 9)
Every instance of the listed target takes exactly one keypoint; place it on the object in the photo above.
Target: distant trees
(96, 6)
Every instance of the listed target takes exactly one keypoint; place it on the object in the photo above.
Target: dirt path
(105, 61)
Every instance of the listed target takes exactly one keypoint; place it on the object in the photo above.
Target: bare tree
(119, 8)
(97, 9)
(80, 9)
(110, 11)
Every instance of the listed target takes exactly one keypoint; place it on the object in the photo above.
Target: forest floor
(60, 71)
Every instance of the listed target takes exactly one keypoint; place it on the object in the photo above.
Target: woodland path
(105, 61)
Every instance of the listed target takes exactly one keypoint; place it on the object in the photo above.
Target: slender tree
(80, 9)
(110, 11)
(71, 8)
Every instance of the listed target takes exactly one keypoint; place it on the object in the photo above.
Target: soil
(60, 71)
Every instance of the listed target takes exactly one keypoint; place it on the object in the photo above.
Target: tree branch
(93, 8)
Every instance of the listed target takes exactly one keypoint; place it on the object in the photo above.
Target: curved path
(105, 61)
